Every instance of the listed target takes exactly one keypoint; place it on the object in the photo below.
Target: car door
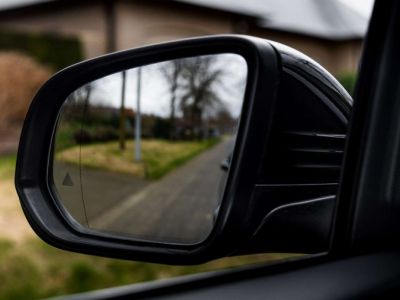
(363, 260)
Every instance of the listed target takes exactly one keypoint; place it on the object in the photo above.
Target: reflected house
(223, 123)
(185, 130)
(194, 126)
(191, 125)
(326, 30)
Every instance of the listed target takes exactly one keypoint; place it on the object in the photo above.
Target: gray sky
(155, 90)
(362, 6)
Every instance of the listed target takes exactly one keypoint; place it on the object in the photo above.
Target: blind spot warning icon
(67, 180)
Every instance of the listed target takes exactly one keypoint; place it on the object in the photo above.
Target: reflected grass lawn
(158, 156)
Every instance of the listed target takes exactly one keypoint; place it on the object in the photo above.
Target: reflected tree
(193, 89)
(199, 89)
(172, 71)
(77, 105)
(122, 116)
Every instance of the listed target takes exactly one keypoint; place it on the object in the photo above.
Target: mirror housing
(258, 185)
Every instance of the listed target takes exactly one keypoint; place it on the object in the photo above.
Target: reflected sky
(155, 95)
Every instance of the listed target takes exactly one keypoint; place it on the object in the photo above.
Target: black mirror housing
(242, 212)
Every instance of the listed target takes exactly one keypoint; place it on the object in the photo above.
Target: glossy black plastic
(32, 180)
(266, 174)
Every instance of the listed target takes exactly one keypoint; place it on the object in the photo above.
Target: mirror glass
(144, 153)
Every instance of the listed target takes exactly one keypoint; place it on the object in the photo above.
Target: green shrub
(19, 277)
(7, 169)
(50, 49)
(348, 80)
(83, 277)
(32, 270)
(21, 76)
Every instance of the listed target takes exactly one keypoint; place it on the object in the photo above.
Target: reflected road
(177, 208)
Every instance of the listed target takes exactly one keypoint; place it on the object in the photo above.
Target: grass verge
(7, 166)
(30, 269)
(158, 156)
(35, 270)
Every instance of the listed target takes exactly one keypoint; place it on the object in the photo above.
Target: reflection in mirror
(144, 153)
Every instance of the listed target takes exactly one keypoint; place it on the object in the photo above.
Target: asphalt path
(88, 193)
(179, 208)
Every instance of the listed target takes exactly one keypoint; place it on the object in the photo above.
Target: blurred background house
(57, 33)
(326, 30)
(39, 37)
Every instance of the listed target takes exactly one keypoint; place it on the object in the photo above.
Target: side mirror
(184, 152)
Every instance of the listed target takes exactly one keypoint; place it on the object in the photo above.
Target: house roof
(327, 19)
(13, 4)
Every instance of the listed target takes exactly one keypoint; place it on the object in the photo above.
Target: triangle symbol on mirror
(68, 180)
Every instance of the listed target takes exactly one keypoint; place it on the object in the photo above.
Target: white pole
(138, 131)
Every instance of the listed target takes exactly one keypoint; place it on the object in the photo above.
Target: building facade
(106, 26)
